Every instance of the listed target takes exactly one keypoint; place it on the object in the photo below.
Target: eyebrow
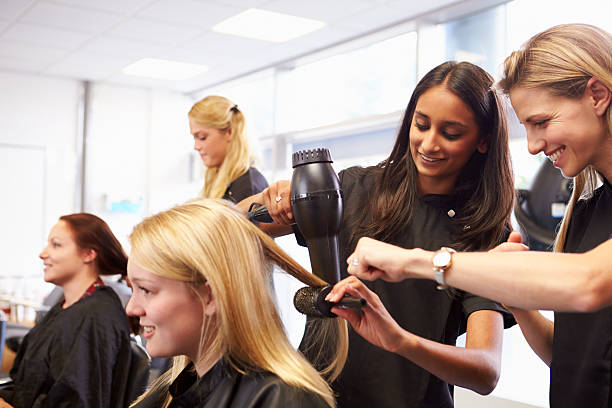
(141, 280)
(446, 122)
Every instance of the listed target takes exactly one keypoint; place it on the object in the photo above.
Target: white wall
(38, 141)
(138, 154)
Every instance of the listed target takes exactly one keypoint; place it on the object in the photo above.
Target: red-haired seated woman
(79, 354)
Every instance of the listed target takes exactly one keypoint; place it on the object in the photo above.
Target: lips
(553, 156)
(429, 159)
(148, 331)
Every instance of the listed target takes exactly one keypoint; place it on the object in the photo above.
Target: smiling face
(443, 137)
(568, 130)
(62, 258)
(170, 313)
(211, 143)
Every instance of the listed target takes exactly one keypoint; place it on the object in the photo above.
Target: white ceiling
(94, 39)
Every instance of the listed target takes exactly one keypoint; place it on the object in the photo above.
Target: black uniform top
(250, 183)
(224, 387)
(372, 376)
(581, 367)
(76, 357)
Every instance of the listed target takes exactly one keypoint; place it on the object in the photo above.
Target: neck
(205, 364)
(74, 289)
(433, 185)
(603, 164)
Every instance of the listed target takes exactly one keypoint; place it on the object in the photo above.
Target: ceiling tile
(4, 24)
(45, 36)
(156, 32)
(20, 50)
(122, 7)
(10, 9)
(22, 65)
(88, 66)
(70, 18)
(226, 44)
(322, 10)
(373, 19)
(122, 47)
(189, 12)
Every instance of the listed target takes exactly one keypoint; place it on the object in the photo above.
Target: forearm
(472, 368)
(272, 228)
(538, 332)
(528, 280)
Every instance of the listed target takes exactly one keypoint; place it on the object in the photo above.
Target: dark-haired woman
(79, 354)
(447, 182)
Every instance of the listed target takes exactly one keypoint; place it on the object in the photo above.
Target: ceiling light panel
(267, 25)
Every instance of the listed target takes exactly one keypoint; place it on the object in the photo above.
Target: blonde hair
(221, 113)
(561, 60)
(209, 240)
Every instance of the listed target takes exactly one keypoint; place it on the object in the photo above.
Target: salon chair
(539, 209)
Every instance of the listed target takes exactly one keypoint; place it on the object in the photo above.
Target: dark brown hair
(485, 186)
(91, 232)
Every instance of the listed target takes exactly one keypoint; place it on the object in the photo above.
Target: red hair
(91, 232)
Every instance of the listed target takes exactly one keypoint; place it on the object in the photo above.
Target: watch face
(442, 259)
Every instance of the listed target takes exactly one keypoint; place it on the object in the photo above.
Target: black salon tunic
(581, 367)
(224, 387)
(250, 183)
(77, 357)
(372, 376)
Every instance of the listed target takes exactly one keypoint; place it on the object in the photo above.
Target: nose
(429, 142)
(43, 254)
(133, 308)
(535, 143)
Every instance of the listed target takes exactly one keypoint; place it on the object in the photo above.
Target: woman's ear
(229, 134)
(599, 95)
(88, 255)
(208, 299)
(482, 146)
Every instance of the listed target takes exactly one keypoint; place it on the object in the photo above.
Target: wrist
(418, 264)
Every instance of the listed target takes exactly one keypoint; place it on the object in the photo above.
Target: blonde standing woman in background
(201, 276)
(219, 132)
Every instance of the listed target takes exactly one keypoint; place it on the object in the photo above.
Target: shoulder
(251, 182)
(102, 307)
(267, 389)
(358, 178)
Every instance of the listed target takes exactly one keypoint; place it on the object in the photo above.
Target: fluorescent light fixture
(267, 25)
(163, 69)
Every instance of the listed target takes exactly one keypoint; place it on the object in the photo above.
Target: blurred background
(95, 94)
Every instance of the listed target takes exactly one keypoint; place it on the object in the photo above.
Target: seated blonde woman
(201, 276)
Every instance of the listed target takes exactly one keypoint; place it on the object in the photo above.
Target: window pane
(373, 80)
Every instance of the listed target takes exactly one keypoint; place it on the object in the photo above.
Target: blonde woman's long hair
(209, 240)
(221, 113)
(561, 60)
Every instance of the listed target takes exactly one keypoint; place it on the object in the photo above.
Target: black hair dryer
(316, 200)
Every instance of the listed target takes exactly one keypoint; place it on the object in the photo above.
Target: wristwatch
(442, 261)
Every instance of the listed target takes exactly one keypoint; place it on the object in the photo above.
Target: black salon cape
(581, 367)
(224, 387)
(250, 183)
(76, 357)
(373, 377)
